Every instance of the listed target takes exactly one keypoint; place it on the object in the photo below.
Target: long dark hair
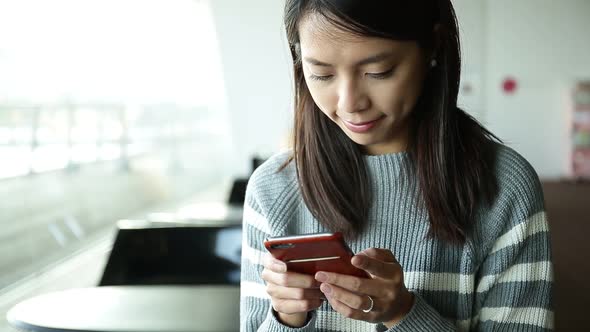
(451, 153)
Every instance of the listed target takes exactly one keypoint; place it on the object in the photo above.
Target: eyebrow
(372, 59)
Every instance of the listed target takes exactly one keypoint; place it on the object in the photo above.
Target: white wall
(257, 75)
(473, 45)
(545, 45)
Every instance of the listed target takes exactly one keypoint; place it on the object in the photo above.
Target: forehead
(324, 41)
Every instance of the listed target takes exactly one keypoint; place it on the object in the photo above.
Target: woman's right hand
(292, 294)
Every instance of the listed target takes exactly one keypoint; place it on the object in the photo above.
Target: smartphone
(310, 253)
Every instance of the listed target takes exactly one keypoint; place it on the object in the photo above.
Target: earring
(433, 63)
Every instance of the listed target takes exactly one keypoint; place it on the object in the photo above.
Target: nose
(352, 97)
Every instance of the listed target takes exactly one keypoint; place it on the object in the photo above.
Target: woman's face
(367, 86)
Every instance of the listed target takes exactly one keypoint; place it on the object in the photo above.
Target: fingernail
(326, 289)
(360, 262)
(280, 267)
(321, 277)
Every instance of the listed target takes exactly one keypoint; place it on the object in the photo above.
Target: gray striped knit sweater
(499, 280)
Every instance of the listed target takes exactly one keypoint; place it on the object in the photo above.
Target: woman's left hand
(349, 295)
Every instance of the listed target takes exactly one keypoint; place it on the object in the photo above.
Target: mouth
(361, 127)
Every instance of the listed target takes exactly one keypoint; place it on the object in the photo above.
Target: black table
(131, 309)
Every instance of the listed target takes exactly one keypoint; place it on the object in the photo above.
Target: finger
(295, 306)
(274, 264)
(352, 300)
(289, 293)
(376, 267)
(289, 279)
(345, 310)
(351, 283)
(380, 254)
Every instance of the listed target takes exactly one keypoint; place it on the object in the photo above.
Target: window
(94, 83)
(87, 81)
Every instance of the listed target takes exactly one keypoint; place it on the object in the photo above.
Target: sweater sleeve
(256, 313)
(513, 291)
(422, 318)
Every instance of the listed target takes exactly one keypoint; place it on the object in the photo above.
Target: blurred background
(123, 109)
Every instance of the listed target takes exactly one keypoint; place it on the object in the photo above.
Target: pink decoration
(509, 85)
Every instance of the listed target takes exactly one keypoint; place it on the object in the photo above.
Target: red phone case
(314, 252)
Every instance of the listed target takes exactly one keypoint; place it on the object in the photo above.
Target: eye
(382, 75)
(321, 78)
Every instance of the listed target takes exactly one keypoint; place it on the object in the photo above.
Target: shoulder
(519, 186)
(272, 169)
(518, 206)
(271, 182)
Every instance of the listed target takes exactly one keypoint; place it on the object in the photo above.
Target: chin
(364, 140)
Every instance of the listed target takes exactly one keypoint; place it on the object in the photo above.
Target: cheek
(411, 96)
(389, 98)
(413, 88)
(403, 96)
(323, 99)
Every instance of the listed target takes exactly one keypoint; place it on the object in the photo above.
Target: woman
(448, 222)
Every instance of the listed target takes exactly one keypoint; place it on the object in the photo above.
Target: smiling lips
(361, 127)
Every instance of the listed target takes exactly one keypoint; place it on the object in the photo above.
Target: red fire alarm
(509, 85)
